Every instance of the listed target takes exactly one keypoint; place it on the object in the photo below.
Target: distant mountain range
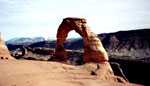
(133, 39)
(133, 43)
(121, 40)
(25, 40)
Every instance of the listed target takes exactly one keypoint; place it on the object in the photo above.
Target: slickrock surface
(39, 73)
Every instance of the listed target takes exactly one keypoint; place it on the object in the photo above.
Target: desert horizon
(77, 56)
(77, 36)
(74, 43)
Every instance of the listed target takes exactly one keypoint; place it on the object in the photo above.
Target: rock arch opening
(73, 35)
(93, 48)
(74, 41)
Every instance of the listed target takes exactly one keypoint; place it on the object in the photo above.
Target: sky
(34, 18)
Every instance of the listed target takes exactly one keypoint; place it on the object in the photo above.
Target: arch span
(93, 48)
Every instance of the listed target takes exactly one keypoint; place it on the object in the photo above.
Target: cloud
(44, 16)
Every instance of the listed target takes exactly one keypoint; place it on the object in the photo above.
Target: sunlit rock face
(4, 52)
(94, 57)
(93, 48)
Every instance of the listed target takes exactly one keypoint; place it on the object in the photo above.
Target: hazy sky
(32, 18)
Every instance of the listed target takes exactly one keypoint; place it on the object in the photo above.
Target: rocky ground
(131, 67)
(131, 49)
(39, 73)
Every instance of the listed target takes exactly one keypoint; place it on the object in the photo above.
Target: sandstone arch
(93, 48)
(4, 52)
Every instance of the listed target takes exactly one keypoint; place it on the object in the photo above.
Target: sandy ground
(40, 73)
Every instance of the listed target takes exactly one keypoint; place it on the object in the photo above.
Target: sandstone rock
(117, 70)
(93, 48)
(95, 57)
(4, 52)
(113, 42)
(39, 53)
(132, 39)
(41, 73)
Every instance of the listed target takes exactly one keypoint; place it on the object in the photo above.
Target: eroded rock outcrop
(4, 52)
(39, 53)
(126, 40)
(95, 57)
(93, 48)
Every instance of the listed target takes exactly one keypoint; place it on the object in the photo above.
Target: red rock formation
(4, 52)
(93, 48)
